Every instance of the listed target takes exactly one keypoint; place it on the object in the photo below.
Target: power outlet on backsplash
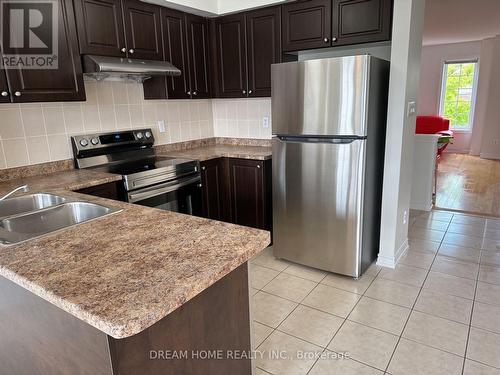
(161, 126)
(265, 122)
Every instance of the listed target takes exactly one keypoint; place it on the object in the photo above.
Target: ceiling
(454, 21)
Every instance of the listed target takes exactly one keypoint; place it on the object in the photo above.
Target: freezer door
(317, 203)
(321, 97)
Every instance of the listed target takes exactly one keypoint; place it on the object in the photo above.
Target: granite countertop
(124, 272)
(203, 153)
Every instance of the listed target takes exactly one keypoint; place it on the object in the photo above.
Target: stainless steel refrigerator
(328, 123)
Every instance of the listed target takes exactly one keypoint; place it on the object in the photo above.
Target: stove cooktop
(130, 168)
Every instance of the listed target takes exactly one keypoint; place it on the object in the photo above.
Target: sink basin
(28, 203)
(35, 224)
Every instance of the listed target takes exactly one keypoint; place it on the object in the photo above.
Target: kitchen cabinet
(45, 85)
(246, 46)
(119, 28)
(186, 45)
(249, 191)
(307, 25)
(361, 21)
(213, 180)
(109, 191)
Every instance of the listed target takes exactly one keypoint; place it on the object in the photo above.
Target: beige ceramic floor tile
(475, 368)
(260, 276)
(492, 234)
(253, 291)
(484, 347)
(489, 274)
(416, 259)
(380, 315)
(348, 283)
(437, 332)
(460, 253)
(437, 215)
(444, 306)
(448, 284)
(488, 293)
(466, 230)
(468, 220)
(335, 366)
(259, 371)
(332, 300)
(373, 270)
(259, 333)
(267, 259)
(291, 348)
(493, 224)
(486, 317)
(423, 246)
(412, 358)
(308, 273)
(426, 234)
(455, 267)
(463, 241)
(393, 292)
(431, 224)
(270, 310)
(404, 274)
(367, 345)
(290, 287)
(491, 245)
(490, 258)
(311, 325)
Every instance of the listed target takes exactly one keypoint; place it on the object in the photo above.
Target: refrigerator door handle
(345, 140)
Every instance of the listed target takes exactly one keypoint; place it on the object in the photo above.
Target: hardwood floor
(469, 183)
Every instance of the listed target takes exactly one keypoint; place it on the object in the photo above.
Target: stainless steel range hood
(101, 67)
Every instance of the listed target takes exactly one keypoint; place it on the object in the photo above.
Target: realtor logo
(29, 34)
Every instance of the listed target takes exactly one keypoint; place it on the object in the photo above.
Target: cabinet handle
(244, 91)
(131, 50)
(249, 91)
(195, 93)
(258, 166)
(326, 40)
(334, 39)
(17, 93)
(5, 93)
(203, 168)
(123, 50)
(189, 92)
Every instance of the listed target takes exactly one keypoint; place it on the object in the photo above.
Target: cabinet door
(247, 192)
(264, 48)
(307, 25)
(100, 27)
(231, 56)
(198, 52)
(4, 88)
(142, 30)
(361, 21)
(212, 179)
(46, 85)
(109, 191)
(175, 47)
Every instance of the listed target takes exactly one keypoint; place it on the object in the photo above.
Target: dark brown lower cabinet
(109, 191)
(238, 191)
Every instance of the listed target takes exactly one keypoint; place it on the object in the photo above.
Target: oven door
(182, 195)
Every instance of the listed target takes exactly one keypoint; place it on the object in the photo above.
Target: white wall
(433, 58)
(403, 88)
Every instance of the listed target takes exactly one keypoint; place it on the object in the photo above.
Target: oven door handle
(161, 189)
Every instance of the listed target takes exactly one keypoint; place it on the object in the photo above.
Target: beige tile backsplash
(35, 133)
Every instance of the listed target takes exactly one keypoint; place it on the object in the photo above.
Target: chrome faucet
(23, 188)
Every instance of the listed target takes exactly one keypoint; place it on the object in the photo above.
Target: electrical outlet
(412, 109)
(265, 122)
(161, 126)
(494, 141)
(405, 217)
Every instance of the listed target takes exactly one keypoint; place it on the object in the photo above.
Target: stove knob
(148, 134)
(139, 135)
(94, 141)
(84, 142)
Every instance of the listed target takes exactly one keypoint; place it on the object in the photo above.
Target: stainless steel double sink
(34, 215)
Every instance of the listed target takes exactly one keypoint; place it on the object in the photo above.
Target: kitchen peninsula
(102, 296)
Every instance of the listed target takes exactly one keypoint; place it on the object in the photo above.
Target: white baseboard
(487, 155)
(421, 206)
(390, 262)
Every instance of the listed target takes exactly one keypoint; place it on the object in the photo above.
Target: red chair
(434, 125)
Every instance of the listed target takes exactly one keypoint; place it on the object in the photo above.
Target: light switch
(412, 109)
(265, 122)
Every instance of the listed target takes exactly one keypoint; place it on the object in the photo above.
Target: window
(458, 93)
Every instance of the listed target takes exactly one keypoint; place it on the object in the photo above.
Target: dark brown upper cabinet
(142, 30)
(100, 27)
(4, 88)
(263, 29)
(231, 56)
(198, 53)
(307, 24)
(119, 28)
(46, 85)
(186, 46)
(247, 44)
(361, 21)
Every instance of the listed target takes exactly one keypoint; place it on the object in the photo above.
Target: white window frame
(444, 72)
